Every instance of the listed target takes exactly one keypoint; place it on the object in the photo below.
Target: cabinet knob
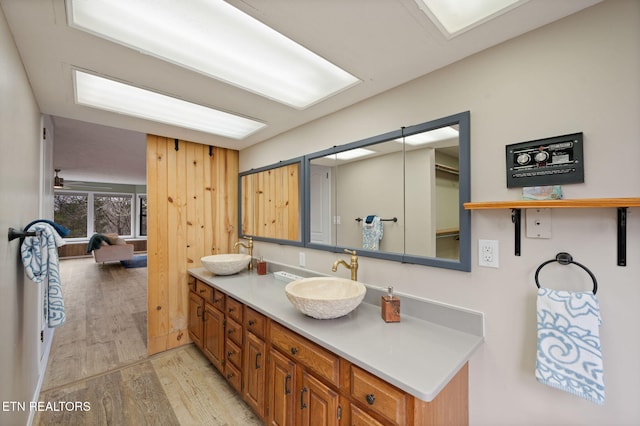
(294, 351)
(229, 331)
(229, 353)
(251, 322)
(371, 398)
(231, 309)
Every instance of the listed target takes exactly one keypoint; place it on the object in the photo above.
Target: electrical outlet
(488, 253)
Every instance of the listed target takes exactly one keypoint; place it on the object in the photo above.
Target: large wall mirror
(397, 196)
(270, 202)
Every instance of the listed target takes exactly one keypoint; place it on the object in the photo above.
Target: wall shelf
(621, 204)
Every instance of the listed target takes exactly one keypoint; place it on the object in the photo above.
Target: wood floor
(98, 361)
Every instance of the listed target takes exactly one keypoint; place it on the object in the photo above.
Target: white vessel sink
(325, 297)
(226, 264)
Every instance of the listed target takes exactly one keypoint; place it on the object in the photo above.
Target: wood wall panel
(192, 212)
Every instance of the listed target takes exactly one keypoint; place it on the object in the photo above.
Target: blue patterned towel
(569, 356)
(40, 259)
(372, 232)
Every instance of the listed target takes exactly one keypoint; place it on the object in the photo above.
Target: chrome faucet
(249, 247)
(353, 266)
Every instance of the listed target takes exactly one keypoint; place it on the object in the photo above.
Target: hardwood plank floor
(98, 361)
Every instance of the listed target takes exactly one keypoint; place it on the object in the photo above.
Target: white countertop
(416, 355)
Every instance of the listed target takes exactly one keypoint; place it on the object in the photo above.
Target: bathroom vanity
(355, 370)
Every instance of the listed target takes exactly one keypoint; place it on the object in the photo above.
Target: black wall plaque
(550, 161)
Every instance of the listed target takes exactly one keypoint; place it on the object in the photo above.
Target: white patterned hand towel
(569, 356)
(40, 259)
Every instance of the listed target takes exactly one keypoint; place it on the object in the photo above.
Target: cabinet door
(281, 390)
(254, 372)
(196, 312)
(361, 418)
(318, 403)
(213, 341)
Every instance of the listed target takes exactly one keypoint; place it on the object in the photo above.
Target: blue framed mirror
(397, 196)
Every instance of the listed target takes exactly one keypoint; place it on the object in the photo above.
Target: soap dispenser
(390, 307)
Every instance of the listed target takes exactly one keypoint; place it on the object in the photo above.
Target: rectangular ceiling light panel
(110, 95)
(218, 40)
(454, 17)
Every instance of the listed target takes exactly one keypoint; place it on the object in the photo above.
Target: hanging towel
(40, 259)
(372, 233)
(61, 230)
(569, 356)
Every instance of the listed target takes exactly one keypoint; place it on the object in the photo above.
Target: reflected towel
(372, 234)
(569, 356)
(40, 259)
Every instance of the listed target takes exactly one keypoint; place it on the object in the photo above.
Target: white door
(320, 205)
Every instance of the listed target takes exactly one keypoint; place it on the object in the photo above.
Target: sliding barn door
(192, 198)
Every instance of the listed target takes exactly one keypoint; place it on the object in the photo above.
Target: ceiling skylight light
(218, 40)
(351, 154)
(454, 17)
(110, 95)
(430, 137)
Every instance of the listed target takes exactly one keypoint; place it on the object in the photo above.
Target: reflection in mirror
(431, 185)
(270, 203)
(354, 196)
(397, 196)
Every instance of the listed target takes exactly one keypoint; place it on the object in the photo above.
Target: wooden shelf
(516, 206)
(550, 204)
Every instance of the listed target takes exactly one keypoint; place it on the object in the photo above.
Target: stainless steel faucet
(249, 247)
(353, 266)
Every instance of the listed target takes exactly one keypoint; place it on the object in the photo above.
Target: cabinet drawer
(255, 322)
(378, 395)
(191, 282)
(234, 354)
(234, 331)
(218, 300)
(313, 357)
(204, 291)
(233, 377)
(233, 309)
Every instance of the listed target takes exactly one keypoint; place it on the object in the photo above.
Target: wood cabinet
(213, 340)
(319, 404)
(313, 357)
(196, 311)
(255, 368)
(359, 417)
(234, 342)
(280, 390)
(255, 360)
(289, 380)
(318, 371)
(378, 396)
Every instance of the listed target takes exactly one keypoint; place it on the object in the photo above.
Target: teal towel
(96, 242)
(569, 355)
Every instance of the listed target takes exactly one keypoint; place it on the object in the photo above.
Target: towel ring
(565, 259)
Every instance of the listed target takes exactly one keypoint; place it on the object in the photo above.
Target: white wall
(579, 74)
(20, 166)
